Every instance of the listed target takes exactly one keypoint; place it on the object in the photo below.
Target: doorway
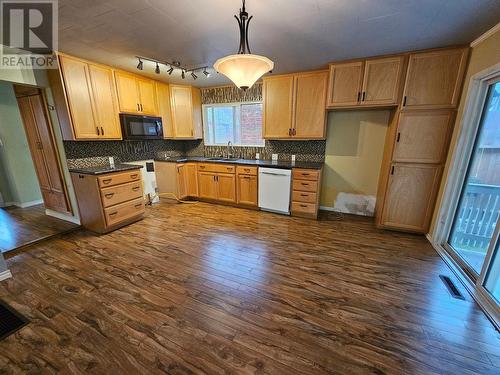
(31, 179)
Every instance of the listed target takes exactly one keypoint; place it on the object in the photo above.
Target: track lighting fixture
(172, 65)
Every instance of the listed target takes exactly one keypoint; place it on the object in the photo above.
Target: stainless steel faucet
(229, 148)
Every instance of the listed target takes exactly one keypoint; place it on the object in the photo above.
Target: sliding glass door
(472, 237)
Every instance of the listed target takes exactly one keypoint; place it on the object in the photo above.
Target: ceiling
(296, 34)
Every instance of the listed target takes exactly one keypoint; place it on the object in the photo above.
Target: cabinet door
(163, 96)
(277, 95)
(410, 196)
(128, 94)
(147, 96)
(103, 91)
(381, 81)
(247, 190)
(197, 116)
(344, 88)
(422, 136)
(192, 179)
(207, 185)
(434, 79)
(310, 100)
(182, 111)
(226, 187)
(181, 181)
(79, 96)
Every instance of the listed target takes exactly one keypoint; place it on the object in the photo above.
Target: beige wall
(355, 143)
(483, 56)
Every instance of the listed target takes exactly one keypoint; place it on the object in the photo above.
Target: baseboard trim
(28, 204)
(328, 208)
(466, 281)
(58, 215)
(5, 275)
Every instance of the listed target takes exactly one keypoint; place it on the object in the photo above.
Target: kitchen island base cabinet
(109, 201)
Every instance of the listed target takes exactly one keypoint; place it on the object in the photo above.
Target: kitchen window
(239, 123)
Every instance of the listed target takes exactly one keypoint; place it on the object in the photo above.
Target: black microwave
(135, 127)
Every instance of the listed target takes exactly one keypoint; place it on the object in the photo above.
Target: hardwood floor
(201, 288)
(23, 226)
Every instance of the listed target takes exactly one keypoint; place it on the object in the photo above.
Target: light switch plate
(275, 157)
(257, 156)
(293, 158)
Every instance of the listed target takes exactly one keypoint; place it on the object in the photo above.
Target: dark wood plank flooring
(23, 226)
(211, 289)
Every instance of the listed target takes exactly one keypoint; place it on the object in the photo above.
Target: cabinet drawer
(124, 211)
(303, 185)
(121, 193)
(118, 178)
(303, 196)
(252, 171)
(305, 208)
(217, 168)
(305, 174)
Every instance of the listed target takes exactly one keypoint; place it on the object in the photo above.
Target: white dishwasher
(274, 190)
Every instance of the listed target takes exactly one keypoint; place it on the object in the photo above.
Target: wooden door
(410, 196)
(344, 87)
(382, 81)
(147, 96)
(191, 179)
(277, 95)
(182, 111)
(79, 97)
(163, 96)
(434, 79)
(105, 102)
(247, 190)
(422, 136)
(226, 187)
(181, 181)
(207, 185)
(44, 152)
(128, 92)
(309, 107)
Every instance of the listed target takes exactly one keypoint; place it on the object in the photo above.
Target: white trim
(58, 215)
(328, 208)
(5, 275)
(484, 302)
(28, 204)
(486, 35)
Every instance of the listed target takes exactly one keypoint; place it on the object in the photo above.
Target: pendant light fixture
(244, 68)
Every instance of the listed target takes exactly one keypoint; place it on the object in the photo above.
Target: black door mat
(10, 320)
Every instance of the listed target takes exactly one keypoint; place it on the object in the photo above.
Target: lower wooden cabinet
(217, 186)
(247, 186)
(110, 201)
(207, 185)
(410, 196)
(306, 184)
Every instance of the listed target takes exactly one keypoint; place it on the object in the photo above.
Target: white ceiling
(296, 34)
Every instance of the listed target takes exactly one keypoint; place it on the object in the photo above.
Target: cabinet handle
(246, 177)
(305, 174)
(229, 169)
(97, 129)
(214, 178)
(112, 213)
(303, 195)
(246, 169)
(134, 176)
(217, 178)
(138, 205)
(404, 101)
(107, 181)
(392, 169)
(290, 131)
(138, 108)
(304, 184)
(294, 131)
(201, 166)
(102, 130)
(135, 188)
(142, 110)
(109, 195)
(303, 205)
(363, 97)
(398, 137)
(359, 96)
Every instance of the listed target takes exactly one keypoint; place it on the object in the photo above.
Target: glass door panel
(492, 282)
(479, 206)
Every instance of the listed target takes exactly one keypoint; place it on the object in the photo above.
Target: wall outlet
(111, 162)
(257, 156)
(293, 158)
(275, 157)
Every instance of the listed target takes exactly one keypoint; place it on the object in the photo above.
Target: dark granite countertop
(105, 169)
(258, 163)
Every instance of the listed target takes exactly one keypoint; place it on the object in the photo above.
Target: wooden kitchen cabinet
(136, 94)
(434, 79)
(182, 181)
(344, 88)
(382, 81)
(410, 196)
(294, 106)
(185, 109)
(85, 100)
(207, 185)
(247, 185)
(306, 186)
(226, 187)
(164, 110)
(191, 173)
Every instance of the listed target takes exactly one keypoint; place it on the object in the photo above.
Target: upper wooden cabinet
(136, 94)
(434, 79)
(369, 83)
(164, 110)
(185, 107)
(85, 100)
(294, 106)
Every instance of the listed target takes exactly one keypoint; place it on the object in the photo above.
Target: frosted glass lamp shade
(244, 69)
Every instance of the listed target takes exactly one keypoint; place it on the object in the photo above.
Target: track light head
(170, 71)
(194, 75)
(157, 70)
(140, 65)
(183, 74)
(207, 74)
